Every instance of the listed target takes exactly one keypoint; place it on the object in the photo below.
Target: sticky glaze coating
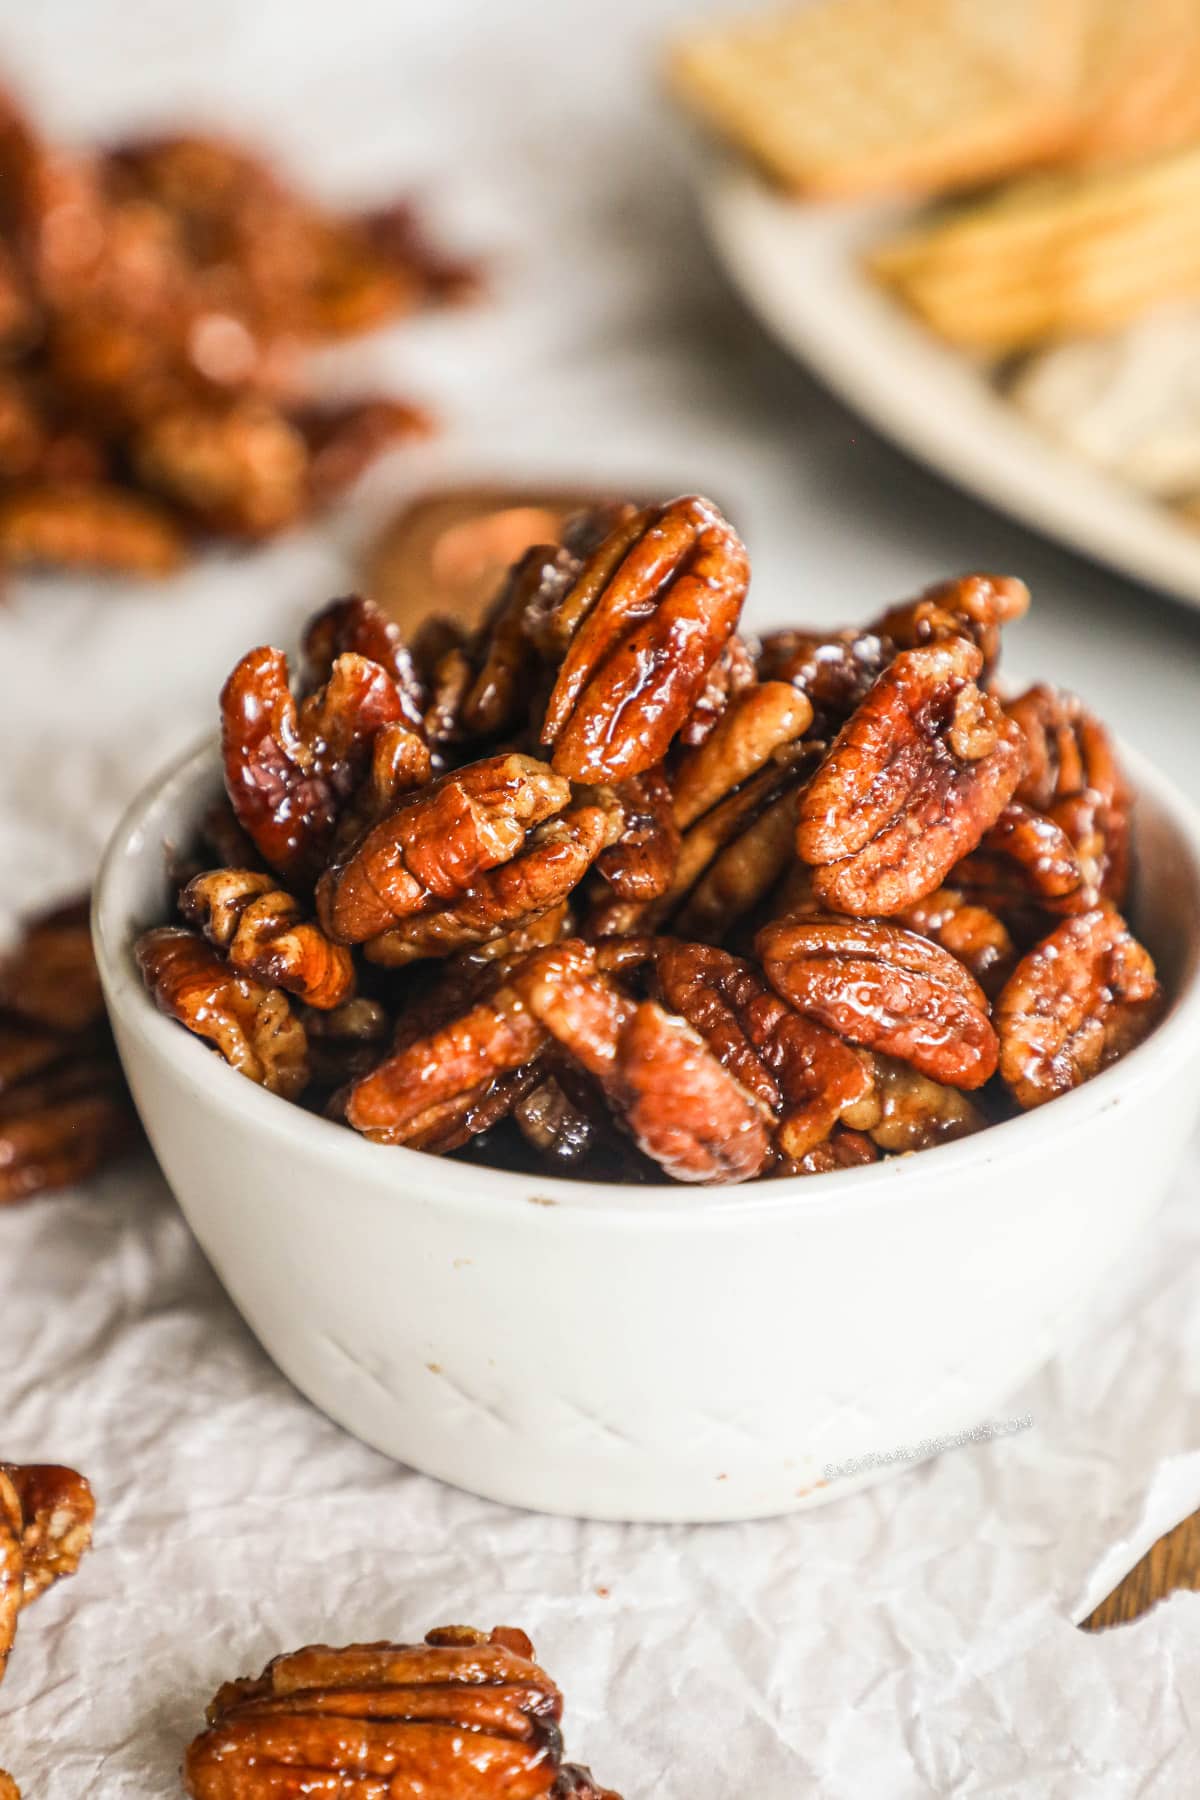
(603, 886)
(463, 1716)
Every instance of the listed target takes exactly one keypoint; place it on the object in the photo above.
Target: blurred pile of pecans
(157, 299)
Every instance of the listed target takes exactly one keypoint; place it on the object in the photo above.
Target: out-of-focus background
(609, 346)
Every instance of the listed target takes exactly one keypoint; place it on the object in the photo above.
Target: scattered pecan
(680, 1104)
(433, 849)
(57, 1511)
(64, 1110)
(12, 1566)
(87, 527)
(252, 1026)
(887, 989)
(1081, 998)
(651, 612)
(970, 606)
(8, 1787)
(914, 779)
(290, 770)
(50, 978)
(461, 1716)
(264, 934)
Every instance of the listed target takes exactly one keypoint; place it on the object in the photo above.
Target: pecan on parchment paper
(463, 1716)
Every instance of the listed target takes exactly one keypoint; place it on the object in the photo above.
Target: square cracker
(848, 97)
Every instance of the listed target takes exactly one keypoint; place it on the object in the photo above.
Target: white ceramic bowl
(661, 1353)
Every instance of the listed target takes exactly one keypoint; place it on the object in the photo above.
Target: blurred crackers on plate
(842, 98)
(1053, 256)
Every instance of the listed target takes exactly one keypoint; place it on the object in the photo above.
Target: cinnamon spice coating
(600, 885)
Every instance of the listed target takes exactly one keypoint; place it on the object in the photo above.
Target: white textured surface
(911, 1641)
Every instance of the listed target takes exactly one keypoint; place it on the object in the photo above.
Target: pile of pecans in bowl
(603, 886)
(156, 299)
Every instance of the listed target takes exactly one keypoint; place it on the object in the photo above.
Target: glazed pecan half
(885, 988)
(805, 1073)
(649, 615)
(970, 606)
(265, 935)
(682, 1106)
(914, 779)
(252, 1026)
(357, 627)
(57, 1513)
(12, 1566)
(463, 1716)
(433, 848)
(290, 770)
(1073, 776)
(1081, 998)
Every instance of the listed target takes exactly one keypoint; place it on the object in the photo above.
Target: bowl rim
(140, 832)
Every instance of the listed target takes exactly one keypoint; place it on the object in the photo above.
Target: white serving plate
(800, 269)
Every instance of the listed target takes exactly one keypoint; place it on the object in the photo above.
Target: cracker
(1139, 80)
(1054, 256)
(848, 97)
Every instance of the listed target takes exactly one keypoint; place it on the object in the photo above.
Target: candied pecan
(346, 1042)
(733, 855)
(805, 1073)
(1073, 776)
(560, 1116)
(1026, 860)
(239, 469)
(252, 1026)
(288, 770)
(913, 781)
(980, 940)
(907, 1111)
(970, 606)
(516, 894)
(650, 613)
(843, 1150)
(680, 1104)
(12, 1566)
(62, 1124)
(357, 626)
(462, 1716)
(425, 1087)
(434, 848)
(264, 934)
(885, 988)
(757, 722)
(1080, 999)
(57, 1511)
(640, 865)
(10, 1791)
(400, 763)
(50, 977)
(343, 441)
(501, 654)
(89, 526)
(732, 671)
(834, 670)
